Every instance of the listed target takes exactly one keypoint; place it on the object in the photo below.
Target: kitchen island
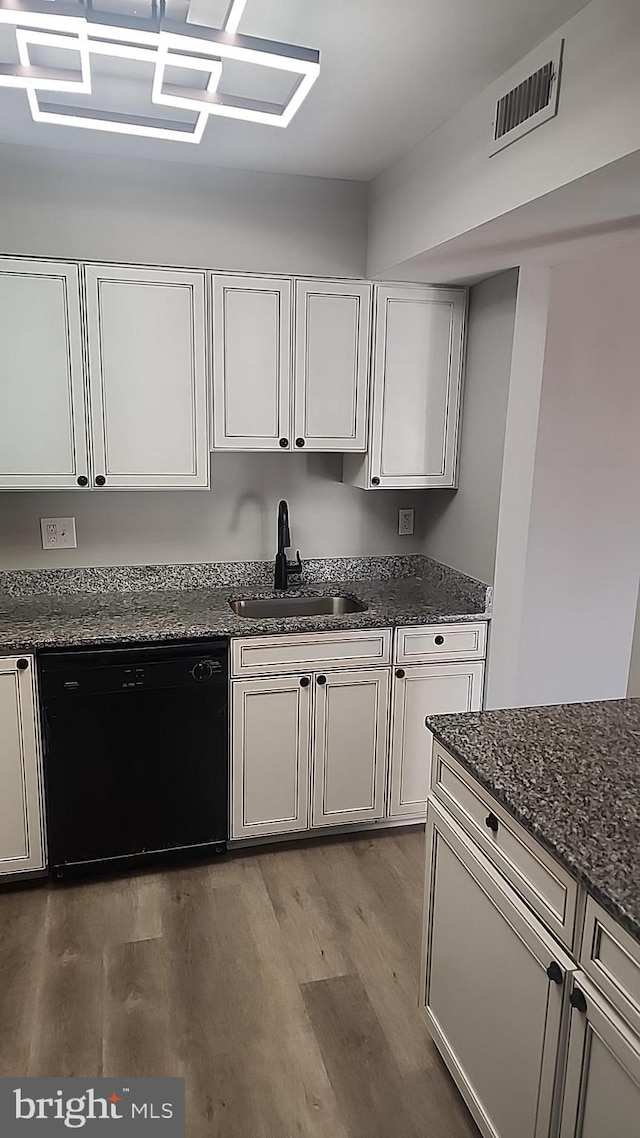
(531, 963)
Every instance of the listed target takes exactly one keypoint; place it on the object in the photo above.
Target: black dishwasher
(135, 754)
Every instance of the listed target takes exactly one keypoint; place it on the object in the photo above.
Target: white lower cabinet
(602, 1088)
(350, 746)
(494, 988)
(270, 736)
(21, 840)
(418, 691)
(308, 750)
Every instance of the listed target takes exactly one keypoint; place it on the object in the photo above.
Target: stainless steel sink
(261, 608)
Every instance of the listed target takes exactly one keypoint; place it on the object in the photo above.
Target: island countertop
(570, 774)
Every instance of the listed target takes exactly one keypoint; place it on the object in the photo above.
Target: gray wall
(633, 688)
(461, 529)
(57, 204)
(235, 520)
(583, 555)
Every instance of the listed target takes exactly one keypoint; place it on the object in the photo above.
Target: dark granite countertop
(571, 775)
(101, 614)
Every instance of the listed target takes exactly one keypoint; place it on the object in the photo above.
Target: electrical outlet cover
(405, 522)
(58, 533)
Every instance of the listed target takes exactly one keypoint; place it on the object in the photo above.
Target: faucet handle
(295, 566)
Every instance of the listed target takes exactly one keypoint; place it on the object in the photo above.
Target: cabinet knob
(555, 973)
(100, 480)
(22, 664)
(82, 480)
(322, 680)
(304, 682)
(577, 1000)
(375, 481)
(400, 674)
(299, 442)
(439, 640)
(284, 443)
(492, 822)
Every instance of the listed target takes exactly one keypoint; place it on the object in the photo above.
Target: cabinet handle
(439, 640)
(400, 674)
(82, 480)
(304, 682)
(100, 480)
(284, 443)
(322, 680)
(555, 973)
(22, 665)
(492, 822)
(299, 442)
(577, 1000)
(375, 481)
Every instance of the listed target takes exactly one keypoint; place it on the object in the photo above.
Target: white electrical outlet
(405, 522)
(58, 533)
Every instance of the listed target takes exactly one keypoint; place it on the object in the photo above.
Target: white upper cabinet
(148, 377)
(331, 379)
(251, 363)
(417, 384)
(43, 442)
(21, 844)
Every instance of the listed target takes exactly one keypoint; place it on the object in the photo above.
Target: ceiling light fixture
(165, 44)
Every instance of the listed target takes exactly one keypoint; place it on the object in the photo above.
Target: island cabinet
(21, 822)
(530, 989)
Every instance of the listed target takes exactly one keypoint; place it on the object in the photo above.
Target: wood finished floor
(281, 985)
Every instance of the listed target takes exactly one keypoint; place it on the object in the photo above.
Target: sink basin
(261, 608)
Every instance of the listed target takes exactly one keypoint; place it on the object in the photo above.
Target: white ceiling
(391, 71)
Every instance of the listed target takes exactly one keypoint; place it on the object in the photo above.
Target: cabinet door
(417, 380)
(418, 691)
(21, 844)
(350, 746)
(43, 442)
(602, 1087)
(270, 740)
(251, 363)
(492, 1009)
(148, 379)
(332, 348)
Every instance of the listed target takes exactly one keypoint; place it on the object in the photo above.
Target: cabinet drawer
(546, 887)
(611, 958)
(427, 643)
(304, 652)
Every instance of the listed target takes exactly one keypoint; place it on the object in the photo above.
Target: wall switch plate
(58, 533)
(405, 522)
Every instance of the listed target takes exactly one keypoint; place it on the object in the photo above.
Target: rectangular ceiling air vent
(530, 102)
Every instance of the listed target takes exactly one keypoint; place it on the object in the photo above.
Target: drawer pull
(439, 640)
(554, 972)
(492, 822)
(577, 1000)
